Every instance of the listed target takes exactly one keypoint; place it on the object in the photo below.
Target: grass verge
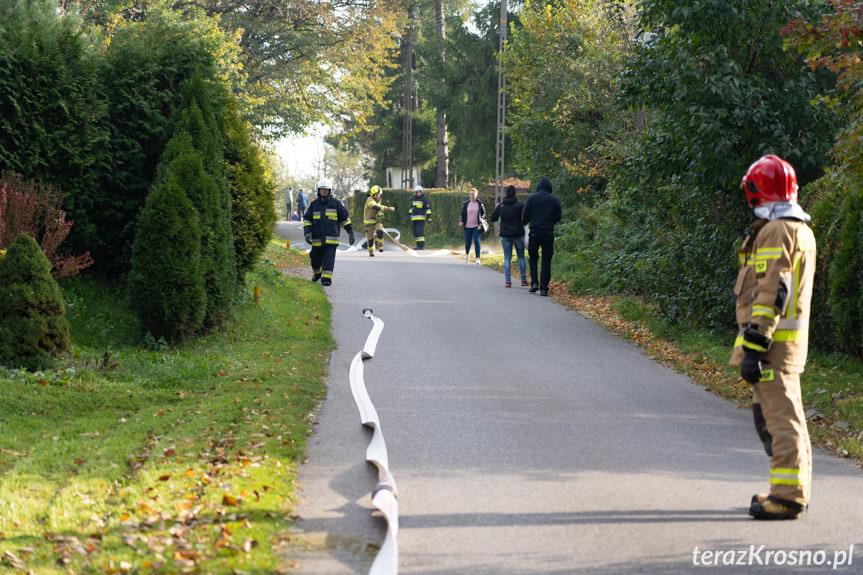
(831, 385)
(133, 457)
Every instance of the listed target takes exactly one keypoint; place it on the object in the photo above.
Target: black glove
(351, 238)
(308, 239)
(750, 367)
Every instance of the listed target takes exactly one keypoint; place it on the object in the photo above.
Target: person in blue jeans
(511, 234)
(541, 212)
(472, 210)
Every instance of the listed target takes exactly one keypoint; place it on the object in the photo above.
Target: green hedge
(837, 302)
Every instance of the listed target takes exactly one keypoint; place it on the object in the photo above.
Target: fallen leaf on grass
(13, 560)
(13, 453)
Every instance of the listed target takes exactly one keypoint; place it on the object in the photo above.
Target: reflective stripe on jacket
(324, 221)
(373, 212)
(420, 209)
(774, 293)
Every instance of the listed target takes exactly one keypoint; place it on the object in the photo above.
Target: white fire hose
(385, 495)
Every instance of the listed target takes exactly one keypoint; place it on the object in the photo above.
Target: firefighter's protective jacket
(323, 220)
(373, 213)
(420, 209)
(774, 292)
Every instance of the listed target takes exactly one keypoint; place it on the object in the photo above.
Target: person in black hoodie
(541, 212)
(511, 234)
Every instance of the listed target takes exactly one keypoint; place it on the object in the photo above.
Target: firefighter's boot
(768, 507)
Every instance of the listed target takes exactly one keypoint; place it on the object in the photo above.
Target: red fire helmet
(769, 179)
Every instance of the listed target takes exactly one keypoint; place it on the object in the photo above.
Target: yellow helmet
(374, 190)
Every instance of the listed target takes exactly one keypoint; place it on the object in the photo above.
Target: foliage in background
(252, 191)
(561, 69)
(145, 68)
(832, 42)
(345, 167)
(830, 39)
(458, 77)
(463, 85)
(33, 329)
(725, 92)
(36, 210)
(304, 62)
(54, 122)
(717, 91)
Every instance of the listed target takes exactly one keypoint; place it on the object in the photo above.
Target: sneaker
(533, 288)
(316, 277)
(478, 262)
(467, 258)
(523, 283)
(507, 284)
(768, 507)
(326, 281)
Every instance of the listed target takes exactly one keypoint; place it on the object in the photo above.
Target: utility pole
(501, 109)
(408, 99)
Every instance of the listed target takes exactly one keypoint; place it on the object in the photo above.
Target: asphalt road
(525, 439)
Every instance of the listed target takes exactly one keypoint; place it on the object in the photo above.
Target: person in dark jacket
(541, 212)
(511, 234)
(302, 203)
(324, 220)
(420, 213)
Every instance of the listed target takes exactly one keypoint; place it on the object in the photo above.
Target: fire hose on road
(384, 496)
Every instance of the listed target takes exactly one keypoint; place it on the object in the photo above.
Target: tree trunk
(442, 143)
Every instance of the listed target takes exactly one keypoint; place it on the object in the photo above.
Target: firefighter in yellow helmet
(774, 292)
(373, 220)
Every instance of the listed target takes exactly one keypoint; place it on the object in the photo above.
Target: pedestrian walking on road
(472, 212)
(420, 213)
(302, 203)
(373, 220)
(511, 234)
(541, 212)
(774, 293)
(322, 227)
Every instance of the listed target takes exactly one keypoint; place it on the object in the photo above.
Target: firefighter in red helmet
(774, 292)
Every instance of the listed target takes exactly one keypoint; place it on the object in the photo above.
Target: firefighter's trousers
(777, 407)
(323, 260)
(419, 227)
(374, 237)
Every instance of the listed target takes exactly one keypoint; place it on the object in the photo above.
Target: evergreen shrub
(33, 327)
(203, 177)
(166, 283)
